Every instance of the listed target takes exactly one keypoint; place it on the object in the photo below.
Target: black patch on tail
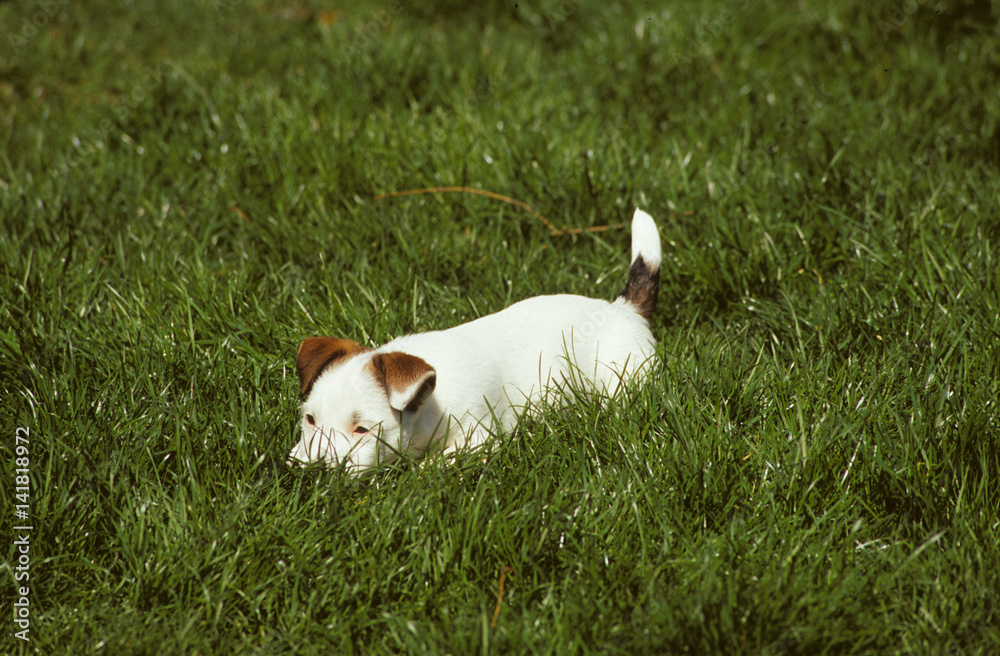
(642, 288)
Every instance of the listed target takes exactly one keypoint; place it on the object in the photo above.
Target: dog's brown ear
(408, 380)
(315, 354)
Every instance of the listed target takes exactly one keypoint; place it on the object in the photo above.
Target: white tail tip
(645, 239)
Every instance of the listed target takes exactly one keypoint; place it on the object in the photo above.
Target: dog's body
(453, 388)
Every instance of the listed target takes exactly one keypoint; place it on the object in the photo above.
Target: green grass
(186, 191)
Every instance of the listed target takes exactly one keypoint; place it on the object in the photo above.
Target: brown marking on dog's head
(407, 379)
(315, 354)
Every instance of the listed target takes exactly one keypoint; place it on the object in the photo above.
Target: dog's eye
(360, 430)
(310, 420)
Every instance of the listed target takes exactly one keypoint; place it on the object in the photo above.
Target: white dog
(454, 388)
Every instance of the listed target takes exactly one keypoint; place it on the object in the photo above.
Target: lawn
(188, 189)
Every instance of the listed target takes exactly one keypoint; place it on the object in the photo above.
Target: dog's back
(535, 348)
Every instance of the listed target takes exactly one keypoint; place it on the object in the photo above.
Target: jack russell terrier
(454, 388)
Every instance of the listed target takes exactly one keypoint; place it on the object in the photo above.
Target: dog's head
(355, 402)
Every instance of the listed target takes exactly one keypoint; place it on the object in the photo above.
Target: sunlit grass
(187, 190)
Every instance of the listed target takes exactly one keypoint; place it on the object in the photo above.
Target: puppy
(454, 388)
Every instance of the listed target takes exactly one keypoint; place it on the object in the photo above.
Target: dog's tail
(643, 284)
